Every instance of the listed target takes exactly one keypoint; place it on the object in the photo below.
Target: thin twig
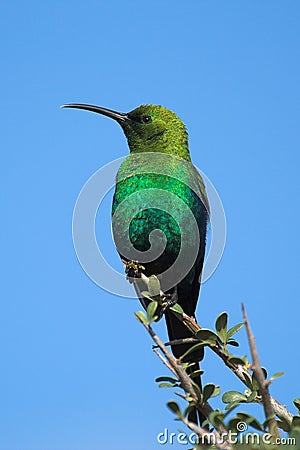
(182, 341)
(260, 378)
(180, 372)
(185, 380)
(165, 361)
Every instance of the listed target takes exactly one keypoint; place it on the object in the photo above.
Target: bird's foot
(169, 301)
(133, 269)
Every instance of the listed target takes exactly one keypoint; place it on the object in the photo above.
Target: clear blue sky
(77, 370)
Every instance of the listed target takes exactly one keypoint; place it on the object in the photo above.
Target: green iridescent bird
(160, 209)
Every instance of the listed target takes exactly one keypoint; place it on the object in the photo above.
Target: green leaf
(192, 349)
(248, 380)
(185, 365)
(166, 385)
(177, 308)
(188, 409)
(141, 317)
(234, 330)
(205, 424)
(294, 434)
(233, 342)
(276, 375)
(297, 403)
(231, 406)
(216, 392)
(284, 424)
(233, 425)
(196, 373)
(221, 325)
(254, 383)
(236, 360)
(154, 286)
(208, 391)
(296, 422)
(173, 406)
(198, 391)
(250, 420)
(151, 309)
(169, 379)
(207, 335)
(146, 294)
(233, 396)
(208, 342)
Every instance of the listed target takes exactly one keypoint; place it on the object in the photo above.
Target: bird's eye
(146, 119)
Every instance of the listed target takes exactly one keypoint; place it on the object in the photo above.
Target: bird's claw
(169, 301)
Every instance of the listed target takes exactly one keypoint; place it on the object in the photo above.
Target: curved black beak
(118, 116)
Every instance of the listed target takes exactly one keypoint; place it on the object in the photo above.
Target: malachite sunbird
(158, 188)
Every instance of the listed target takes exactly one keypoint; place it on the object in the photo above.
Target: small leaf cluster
(154, 297)
(232, 399)
(209, 390)
(221, 337)
(224, 334)
(157, 302)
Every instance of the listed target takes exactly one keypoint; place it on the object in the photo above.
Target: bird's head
(148, 128)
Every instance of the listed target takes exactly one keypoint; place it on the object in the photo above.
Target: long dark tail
(177, 330)
(195, 415)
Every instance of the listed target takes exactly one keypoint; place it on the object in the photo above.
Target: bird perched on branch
(160, 209)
